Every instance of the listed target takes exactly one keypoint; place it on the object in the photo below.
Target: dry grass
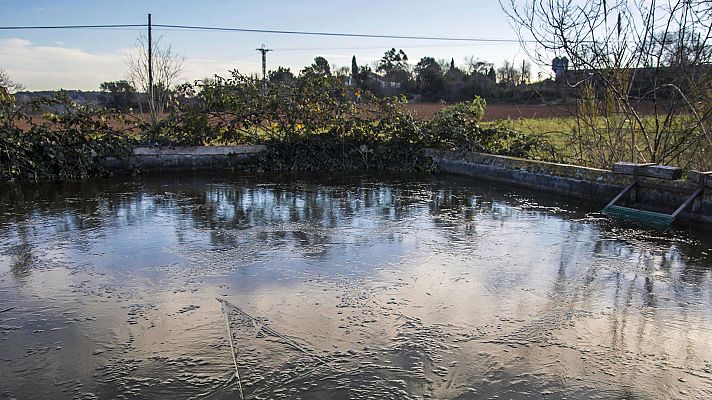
(496, 112)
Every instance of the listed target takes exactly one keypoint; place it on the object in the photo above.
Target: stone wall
(185, 158)
(598, 185)
(592, 184)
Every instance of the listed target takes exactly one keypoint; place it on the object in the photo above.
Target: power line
(336, 34)
(7, 28)
(270, 31)
(405, 46)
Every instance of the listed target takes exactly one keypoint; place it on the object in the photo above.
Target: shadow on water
(406, 286)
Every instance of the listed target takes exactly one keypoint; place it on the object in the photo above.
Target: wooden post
(703, 180)
(150, 72)
(634, 196)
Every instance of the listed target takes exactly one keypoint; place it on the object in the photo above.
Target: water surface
(343, 286)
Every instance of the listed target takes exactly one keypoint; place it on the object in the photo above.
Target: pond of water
(355, 286)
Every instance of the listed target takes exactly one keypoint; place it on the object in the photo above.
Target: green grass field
(555, 129)
(561, 133)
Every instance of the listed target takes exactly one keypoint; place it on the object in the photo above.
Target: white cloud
(54, 67)
(51, 67)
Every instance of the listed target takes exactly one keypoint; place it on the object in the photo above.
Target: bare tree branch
(8, 84)
(641, 69)
(167, 67)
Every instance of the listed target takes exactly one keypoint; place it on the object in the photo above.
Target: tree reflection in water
(497, 291)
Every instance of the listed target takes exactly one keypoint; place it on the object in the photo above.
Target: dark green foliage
(58, 146)
(319, 67)
(281, 75)
(429, 78)
(119, 95)
(318, 122)
(457, 127)
(354, 69)
(394, 66)
(313, 122)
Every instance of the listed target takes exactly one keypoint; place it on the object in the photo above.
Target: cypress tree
(354, 68)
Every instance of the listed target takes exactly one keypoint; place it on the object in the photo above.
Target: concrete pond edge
(592, 184)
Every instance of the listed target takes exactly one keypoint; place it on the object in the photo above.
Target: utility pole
(264, 52)
(150, 71)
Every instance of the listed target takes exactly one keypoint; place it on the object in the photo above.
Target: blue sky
(83, 58)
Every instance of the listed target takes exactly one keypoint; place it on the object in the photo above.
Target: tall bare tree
(8, 84)
(641, 69)
(167, 66)
(526, 71)
(477, 66)
(508, 74)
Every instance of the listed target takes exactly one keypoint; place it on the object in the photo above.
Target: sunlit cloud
(52, 67)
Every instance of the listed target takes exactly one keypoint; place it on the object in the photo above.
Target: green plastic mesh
(642, 216)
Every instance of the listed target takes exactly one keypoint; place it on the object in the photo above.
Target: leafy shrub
(457, 127)
(314, 121)
(65, 146)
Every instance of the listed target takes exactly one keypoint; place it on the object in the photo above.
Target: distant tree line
(431, 80)
(428, 80)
